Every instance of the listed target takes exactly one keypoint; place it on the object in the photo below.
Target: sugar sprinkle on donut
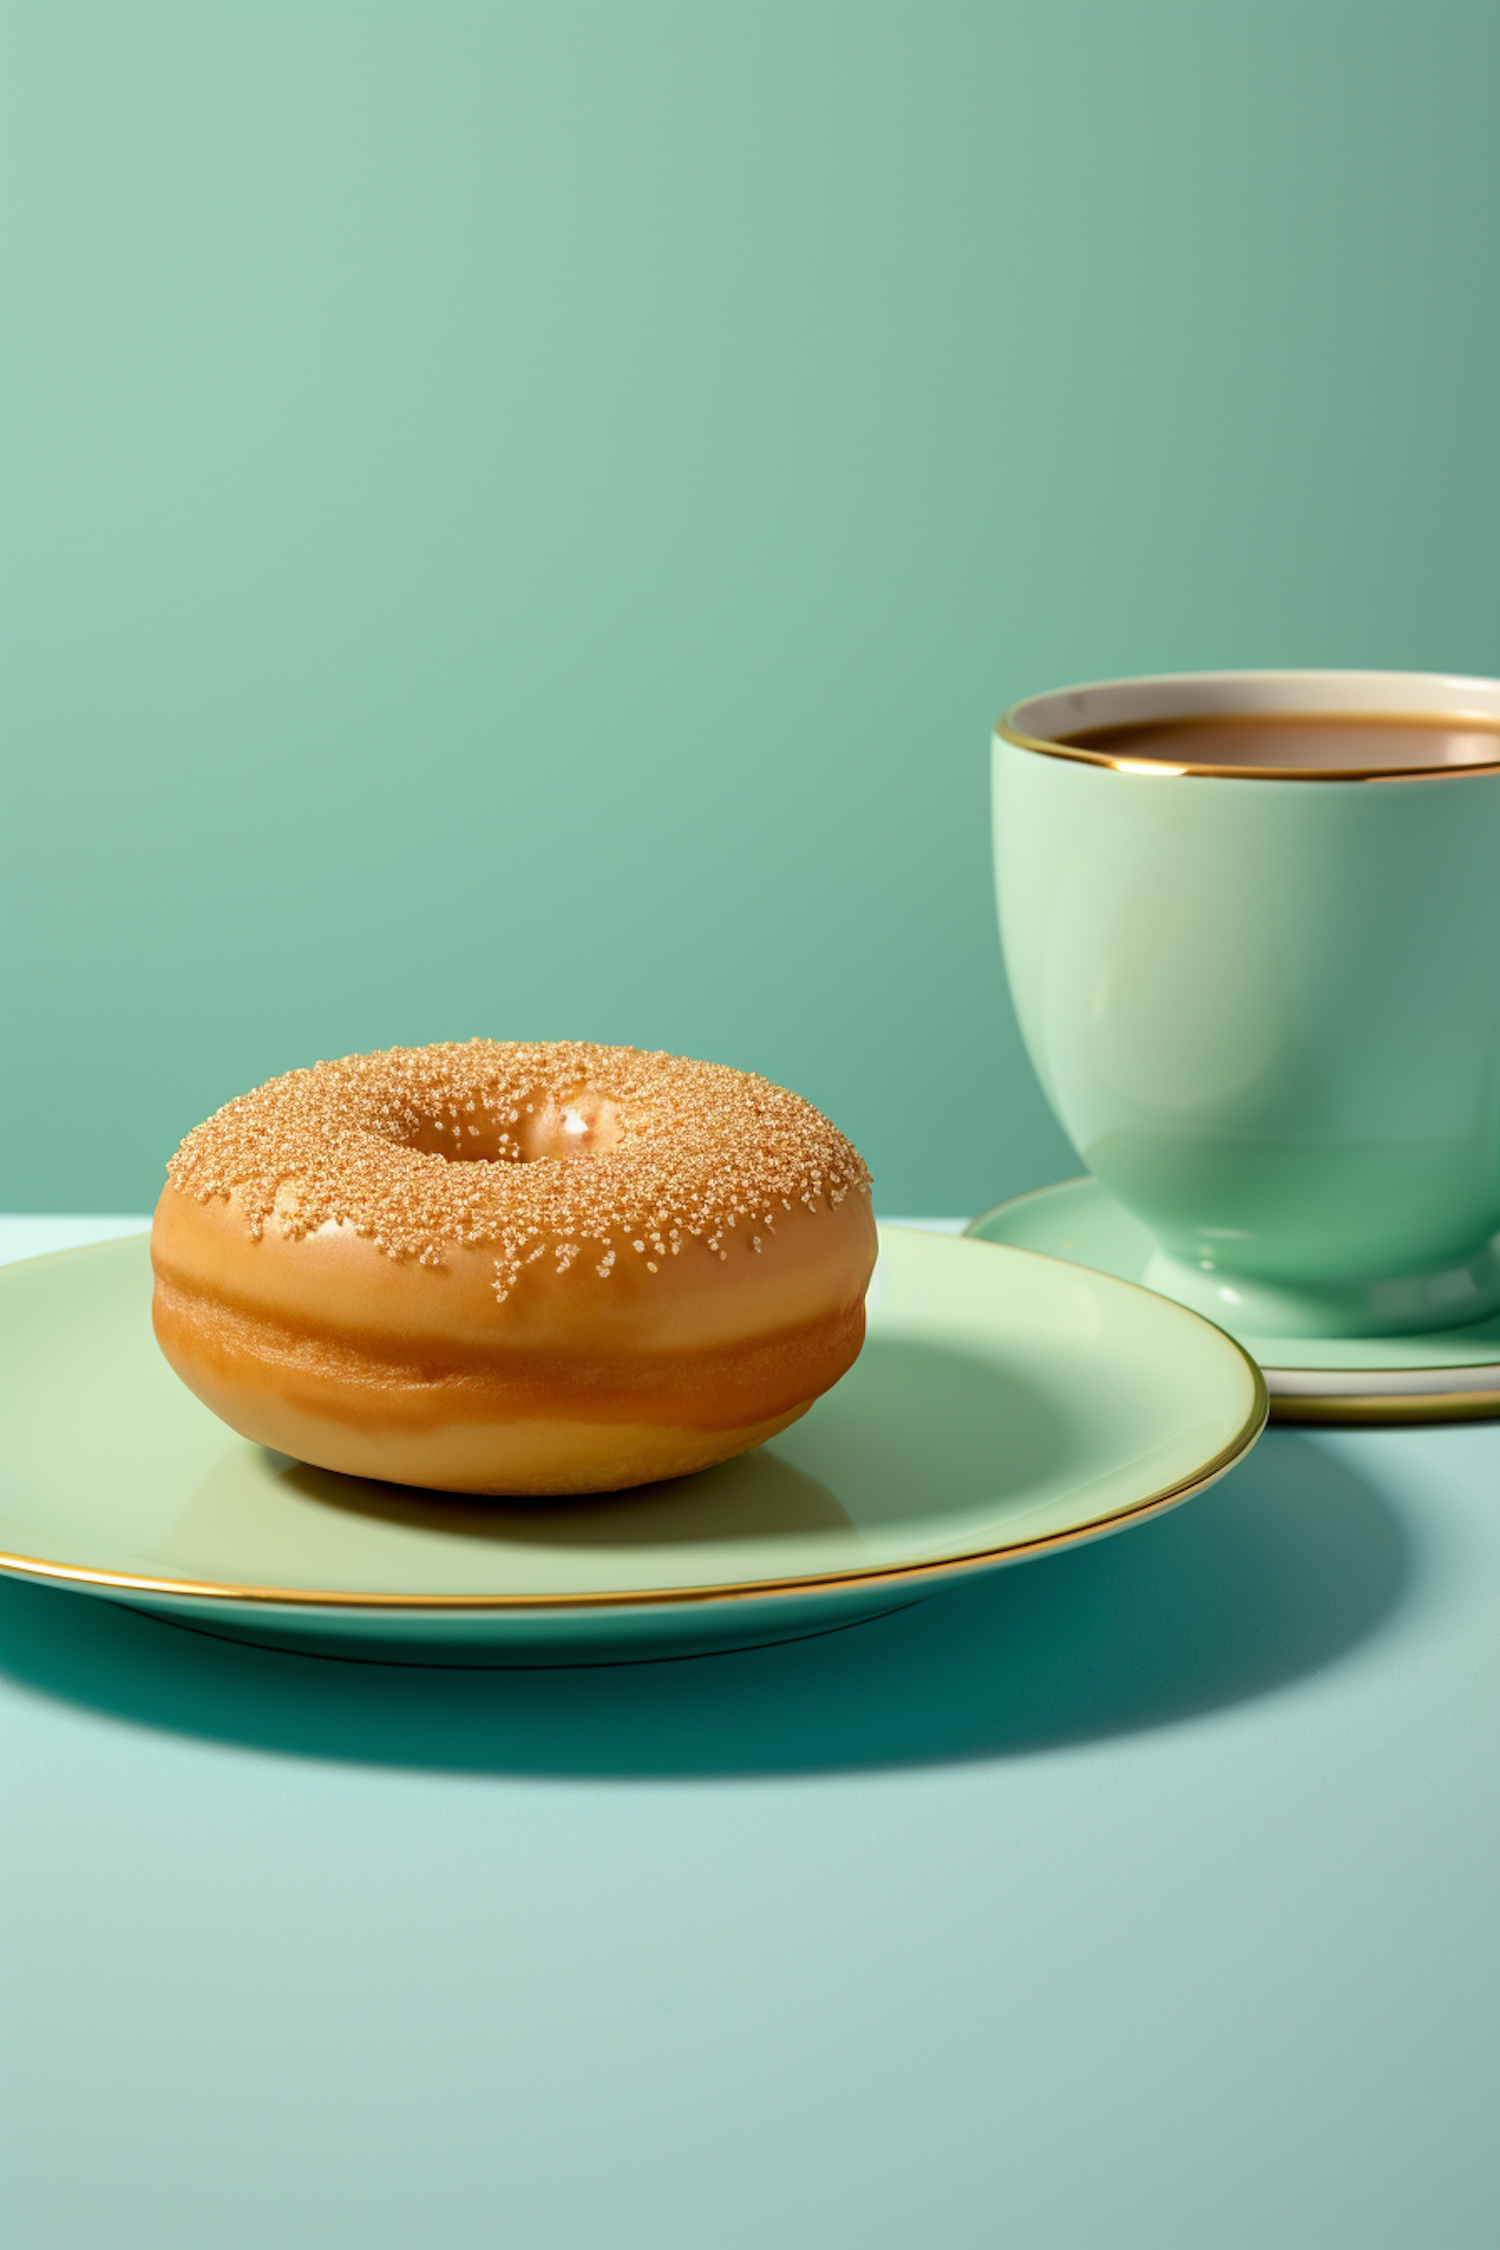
(532, 1148)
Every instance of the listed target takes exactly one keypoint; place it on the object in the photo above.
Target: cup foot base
(1402, 1305)
(1416, 1376)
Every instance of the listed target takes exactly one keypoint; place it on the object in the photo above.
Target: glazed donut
(506, 1268)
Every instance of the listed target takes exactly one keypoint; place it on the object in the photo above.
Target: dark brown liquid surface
(1318, 742)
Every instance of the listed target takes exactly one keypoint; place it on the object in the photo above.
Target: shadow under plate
(1282, 1568)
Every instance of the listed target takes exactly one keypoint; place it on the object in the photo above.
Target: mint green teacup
(1264, 997)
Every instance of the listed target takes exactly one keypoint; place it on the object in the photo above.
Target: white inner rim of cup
(1041, 721)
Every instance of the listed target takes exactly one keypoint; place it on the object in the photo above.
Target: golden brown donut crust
(644, 1266)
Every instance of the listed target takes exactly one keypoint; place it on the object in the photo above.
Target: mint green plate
(1441, 1375)
(1004, 1405)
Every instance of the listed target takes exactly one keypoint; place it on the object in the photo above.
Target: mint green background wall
(519, 518)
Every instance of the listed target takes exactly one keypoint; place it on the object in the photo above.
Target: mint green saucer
(1443, 1375)
(1003, 1406)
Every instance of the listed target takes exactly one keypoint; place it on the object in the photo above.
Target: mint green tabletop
(1141, 1895)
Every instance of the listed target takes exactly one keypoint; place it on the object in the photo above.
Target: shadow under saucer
(1287, 1564)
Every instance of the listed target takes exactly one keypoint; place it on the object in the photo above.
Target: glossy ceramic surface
(1267, 1011)
(1424, 1377)
(1003, 1406)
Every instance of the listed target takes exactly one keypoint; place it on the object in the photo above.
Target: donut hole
(551, 1128)
(563, 1126)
